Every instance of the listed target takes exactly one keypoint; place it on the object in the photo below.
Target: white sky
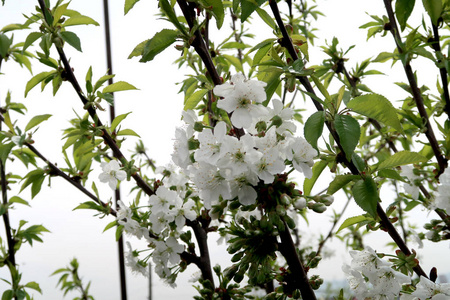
(156, 111)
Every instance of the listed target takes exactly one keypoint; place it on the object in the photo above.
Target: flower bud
(318, 207)
(300, 203)
(198, 126)
(285, 199)
(326, 199)
(276, 121)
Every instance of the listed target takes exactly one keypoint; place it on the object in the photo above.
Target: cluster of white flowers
(373, 278)
(215, 165)
(223, 166)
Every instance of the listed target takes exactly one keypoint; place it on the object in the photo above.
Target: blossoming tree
(238, 153)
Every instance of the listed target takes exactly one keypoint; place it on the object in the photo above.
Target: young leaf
(317, 169)
(339, 182)
(376, 107)
(160, 41)
(118, 86)
(365, 193)
(194, 99)
(138, 50)
(80, 20)
(16, 199)
(248, 7)
(127, 132)
(349, 131)
(217, 11)
(117, 121)
(402, 158)
(33, 285)
(434, 9)
(403, 9)
(314, 127)
(129, 5)
(36, 79)
(352, 221)
(266, 18)
(36, 120)
(31, 38)
(72, 39)
(167, 8)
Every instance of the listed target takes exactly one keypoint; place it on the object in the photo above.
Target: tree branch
(56, 171)
(106, 137)
(442, 161)
(287, 43)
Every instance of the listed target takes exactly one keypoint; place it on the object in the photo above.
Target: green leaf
(8, 295)
(349, 131)
(58, 13)
(194, 99)
(5, 149)
(90, 205)
(389, 173)
(138, 50)
(36, 120)
(403, 9)
(72, 39)
(102, 80)
(317, 169)
(160, 41)
(402, 158)
(118, 86)
(376, 107)
(5, 43)
(248, 7)
(218, 11)
(434, 9)
(167, 8)
(128, 132)
(352, 221)
(340, 181)
(234, 61)
(365, 193)
(80, 20)
(117, 121)
(110, 225)
(37, 79)
(314, 127)
(33, 285)
(261, 53)
(129, 5)
(266, 18)
(16, 199)
(31, 38)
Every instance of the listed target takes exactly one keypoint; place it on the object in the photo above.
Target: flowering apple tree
(241, 167)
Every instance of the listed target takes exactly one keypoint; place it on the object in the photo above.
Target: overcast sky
(155, 111)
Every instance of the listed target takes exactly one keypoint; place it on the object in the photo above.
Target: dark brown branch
(442, 161)
(112, 116)
(287, 248)
(287, 43)
(56, 171)
(442, 70)
(203, 261)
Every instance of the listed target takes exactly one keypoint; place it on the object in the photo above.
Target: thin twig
(112, 116)
(442, 161)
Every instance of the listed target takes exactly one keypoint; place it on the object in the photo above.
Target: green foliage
(403, 10)
(158, 43)
(348, 130)
(365, 193)
(70, 281)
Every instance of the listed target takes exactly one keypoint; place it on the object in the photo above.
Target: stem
(237, 37)
(112, 116)
(287, 248)
(56, 171)
(105, 135)
(442, 161)
(330, 233)
(437, 48)
(11, 259)
(204, 261)
(287, 43)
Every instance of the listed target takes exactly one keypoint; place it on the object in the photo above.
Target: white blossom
(112, 173)
(427, 289)
(410, 188)
(132, 261)
(443, 191)
(301, 153)
(242, 97)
